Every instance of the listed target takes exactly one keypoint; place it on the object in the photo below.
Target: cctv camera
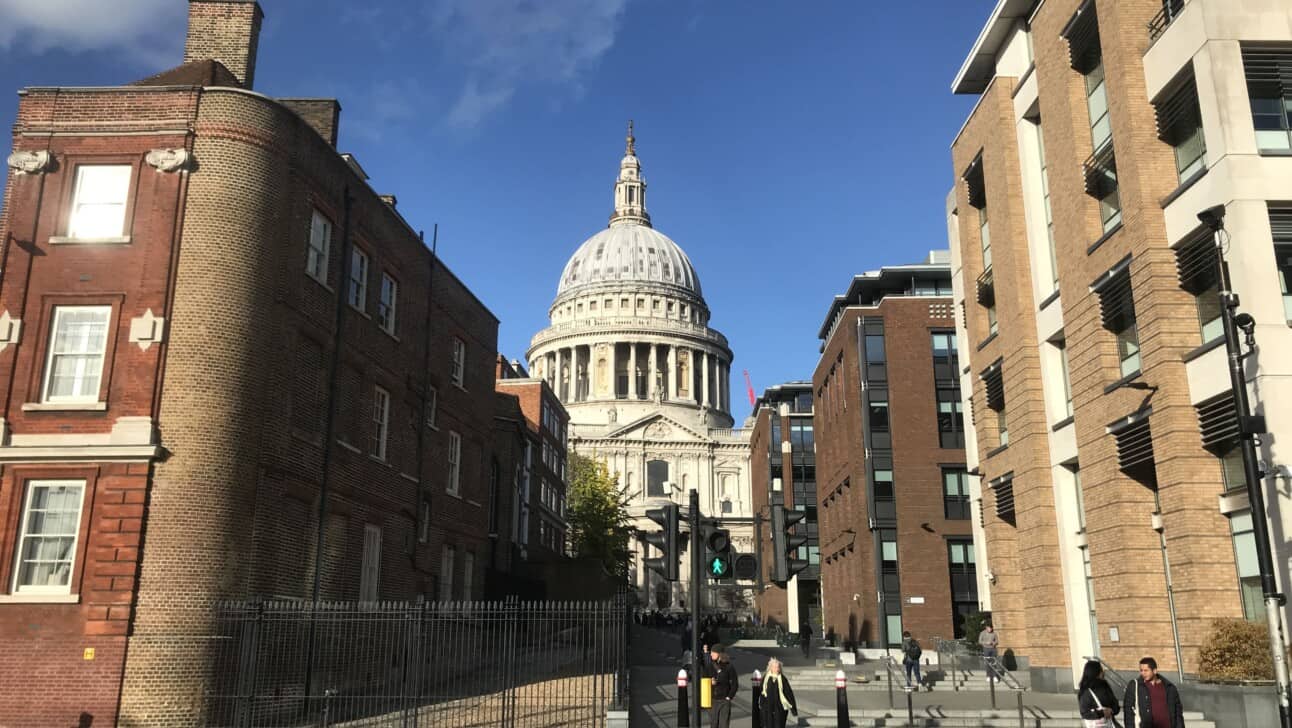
(1245, 321)
(991, 578)
(1213, 217)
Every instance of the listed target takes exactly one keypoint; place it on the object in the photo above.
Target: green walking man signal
(717, 542)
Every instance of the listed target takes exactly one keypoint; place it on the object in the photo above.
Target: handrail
(994, 665)
(893, 668)
(1108, 669)
(1171, 10)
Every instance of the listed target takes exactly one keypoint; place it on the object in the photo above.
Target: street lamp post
(1249, 427)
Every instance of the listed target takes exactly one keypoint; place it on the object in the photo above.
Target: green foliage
(597, 511)
(1236, 650)
(975, 622)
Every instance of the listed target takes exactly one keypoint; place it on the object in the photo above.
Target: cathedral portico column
(672, 373)
(704, 380)
(614, 371)
(632, 370)
(652, 368)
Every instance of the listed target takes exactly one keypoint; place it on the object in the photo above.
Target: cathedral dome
(629, 252)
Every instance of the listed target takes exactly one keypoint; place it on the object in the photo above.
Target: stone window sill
(347, 446)
(1215, 343)
(987, 341)
(64, 406)
(40, 598)
(1061, 424)
(1045, 303)
(65, 240)
(1189, 181)
(1104, 238)
(1123, 381)
(997, 451)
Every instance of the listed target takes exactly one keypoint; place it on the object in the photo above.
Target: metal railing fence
(409, 664)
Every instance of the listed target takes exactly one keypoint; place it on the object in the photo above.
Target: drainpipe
(1170, 589)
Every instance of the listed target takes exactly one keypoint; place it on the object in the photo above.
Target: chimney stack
(227, 31)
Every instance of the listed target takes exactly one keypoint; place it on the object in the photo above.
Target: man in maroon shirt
(1151, 700)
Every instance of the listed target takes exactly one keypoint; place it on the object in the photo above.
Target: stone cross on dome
(630, 188)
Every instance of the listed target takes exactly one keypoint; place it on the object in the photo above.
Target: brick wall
(227, 31)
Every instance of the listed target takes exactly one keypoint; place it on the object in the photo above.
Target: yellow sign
(88, 654)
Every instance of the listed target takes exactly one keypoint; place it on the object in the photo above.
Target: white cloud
(507, 44)
(148, 31)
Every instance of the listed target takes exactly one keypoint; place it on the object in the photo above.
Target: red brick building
(782, 459)
(231, 370)
(895, 529)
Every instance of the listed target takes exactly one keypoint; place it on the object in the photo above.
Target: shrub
(974, 624)
(1236, 650)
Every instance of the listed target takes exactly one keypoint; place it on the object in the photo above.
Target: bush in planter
(975, 622)
(1236, 650)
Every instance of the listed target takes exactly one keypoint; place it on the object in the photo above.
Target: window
(432, 403)
(1101, 167)
(993, 326)
(380, 421)
(1281, 226)
(1117, 309)
(951, 427)
(468, 574)
(371, 569)
(387, 304)
(99, 202)
(47, 537)
(1002, 428)
(876, 368)
(455, 463)
(447, 557)
(964, 581)
(984, 234)
(1179, 124)
(77, 345)
(1101, 131)
(459, 361)
(994, 386)
(1045, 198)
(955, 494)
(1249, 574)
(357, 293)
(1065, 376)
(1269, 86)
(424, 520)
(884, 490)
(945, 358)
(317, 253)
(880, 436)
(656, 479)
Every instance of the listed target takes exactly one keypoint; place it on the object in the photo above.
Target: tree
(597, 511)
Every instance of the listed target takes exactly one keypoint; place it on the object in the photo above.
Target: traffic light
(666, 541)
(785, 543)
(718, 559)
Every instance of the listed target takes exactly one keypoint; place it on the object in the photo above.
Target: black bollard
(683, 706)
(758, 695)
(841, 698)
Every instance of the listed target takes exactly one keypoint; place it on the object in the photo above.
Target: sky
(787, 145)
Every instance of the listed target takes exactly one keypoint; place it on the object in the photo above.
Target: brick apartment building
(537, 510)
(1116, 520)
(895, 530)
(231, 370)
(783, 472)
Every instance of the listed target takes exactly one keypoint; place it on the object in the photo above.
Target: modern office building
(1116, 519)
(896, 536)
(782, 471)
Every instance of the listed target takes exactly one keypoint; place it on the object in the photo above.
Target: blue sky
(788, 145)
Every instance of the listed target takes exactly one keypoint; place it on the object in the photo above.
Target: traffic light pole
(696, 559)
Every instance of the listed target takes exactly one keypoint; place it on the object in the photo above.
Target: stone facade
(229, 350)
(645, 379)
(1104, 468)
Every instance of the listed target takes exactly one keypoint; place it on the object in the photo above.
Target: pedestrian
(989, 641)
(805, 639)
(777, 701)
(911, 652)
(1095, 697)
(1151, 701)
(725, 687)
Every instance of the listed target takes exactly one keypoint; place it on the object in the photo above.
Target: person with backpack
(911, 659)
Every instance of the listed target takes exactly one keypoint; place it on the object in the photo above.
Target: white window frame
(51, 353)
(318, 247)
(370, 566)
(24, 534)
(356, 293)
(387, 303)
(119, 198)
(447, 558)
(453, 486)
(432, 407)
(380, 421)
(459, 362)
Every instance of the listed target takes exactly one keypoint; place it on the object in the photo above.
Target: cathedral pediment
(657, 428)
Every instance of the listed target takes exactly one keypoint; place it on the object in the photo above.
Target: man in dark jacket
(725, 687)
(1151, 700)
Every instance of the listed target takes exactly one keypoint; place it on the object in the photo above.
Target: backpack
(913, 651)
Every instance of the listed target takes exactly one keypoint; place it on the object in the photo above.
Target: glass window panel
(48, 535)
(77, 347)
(874, 348)
(99, 203)
(889, 551)
(894, 629)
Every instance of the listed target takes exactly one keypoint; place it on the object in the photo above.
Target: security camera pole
(1248, 428)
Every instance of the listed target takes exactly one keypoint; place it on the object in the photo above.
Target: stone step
(967, 719)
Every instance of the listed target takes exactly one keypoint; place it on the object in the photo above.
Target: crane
(749, 386)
